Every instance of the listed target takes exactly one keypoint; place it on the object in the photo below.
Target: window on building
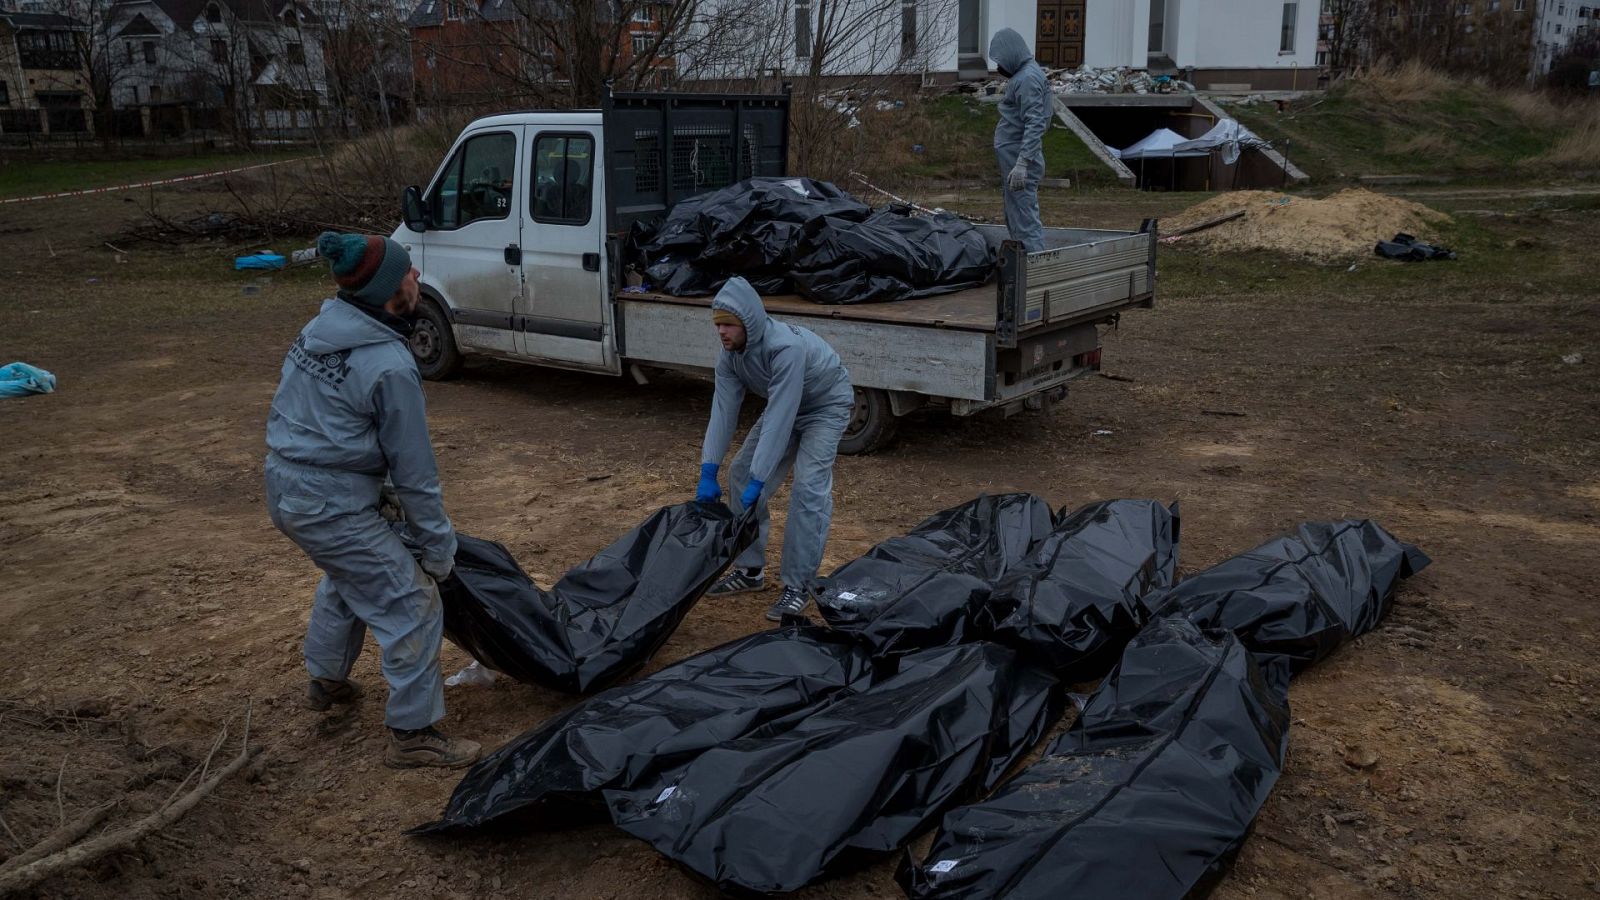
(150, 52)
(477, 182)
(1463, 9)
(155, 93)
(296, 54)
(802, 29)
(642, 15)
(219, 52)
(1394, 11)
(1520, 5)
(214, 14)
(46, 50)
(908, 29)
(128, 46)
(1494, 5)
(1561, 9)
(136, 93)
(1291, 12)
(1558, 28)
(563, 183)
(1322, 57)
(5, 94)
(643, 41)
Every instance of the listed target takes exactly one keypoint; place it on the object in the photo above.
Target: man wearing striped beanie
(348, 416)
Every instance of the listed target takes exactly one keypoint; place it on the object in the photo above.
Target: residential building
(476, 52)
(255, 66)
(1262, 44)
(1556, 24)
(44, 83)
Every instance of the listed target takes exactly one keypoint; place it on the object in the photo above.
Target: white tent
(1163, 143)
(1228, 136)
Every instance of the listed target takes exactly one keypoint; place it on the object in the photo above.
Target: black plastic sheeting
(787, 235)
(747, 229)
(1300, 596)
(1407, 248)
(1075, 602)
(891, 256)
(605, 618)
(922, 589)
(781, 808)
(1149, 794)
(555, 772)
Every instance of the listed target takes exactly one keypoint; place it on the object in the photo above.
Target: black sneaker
(739, 581)
(791, 603)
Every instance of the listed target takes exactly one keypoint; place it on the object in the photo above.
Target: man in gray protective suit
(809, 403)
(348, 413)
(1019, 138)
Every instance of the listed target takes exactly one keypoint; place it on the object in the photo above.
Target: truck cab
(511, 245)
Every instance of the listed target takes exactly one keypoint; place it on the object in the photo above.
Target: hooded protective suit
(1024, 115)
(349, 410)
(809, 404)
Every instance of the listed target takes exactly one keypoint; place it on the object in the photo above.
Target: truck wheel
(872, 425)
(433, 343)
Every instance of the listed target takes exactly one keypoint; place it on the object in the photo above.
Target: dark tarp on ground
(1075, 602)
(554, 772)
(605, 618)
(922, 589)
(890, 256)
(795, 234)
(784, 807)
(1301, 596)
(1407, 248)
(1147, 795)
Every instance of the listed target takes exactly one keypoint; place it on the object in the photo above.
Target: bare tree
(1348, 33)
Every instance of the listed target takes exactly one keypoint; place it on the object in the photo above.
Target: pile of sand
(1340, 227)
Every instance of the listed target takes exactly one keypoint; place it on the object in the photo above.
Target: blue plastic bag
(20, 379)
(266, 259)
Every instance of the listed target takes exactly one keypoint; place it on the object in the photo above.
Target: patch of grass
(1503, 259)
(22, 178)
(956, 134)
(1413, 121)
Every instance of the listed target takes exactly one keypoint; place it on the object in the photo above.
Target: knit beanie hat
(724, 317)
(368, 268)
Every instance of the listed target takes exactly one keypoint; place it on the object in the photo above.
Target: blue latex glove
(752, 493)
(708, 491)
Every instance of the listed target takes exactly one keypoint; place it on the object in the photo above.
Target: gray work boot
(413, 749)
(321, 693)
(792, 603)
(739, 581)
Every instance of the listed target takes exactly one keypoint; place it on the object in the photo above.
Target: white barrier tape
(143, 184)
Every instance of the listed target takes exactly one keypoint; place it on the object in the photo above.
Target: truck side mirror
(412, 210)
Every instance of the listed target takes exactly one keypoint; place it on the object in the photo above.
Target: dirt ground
(145, 598)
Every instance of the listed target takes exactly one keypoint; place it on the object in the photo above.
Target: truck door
(563, 310)
(473, 244)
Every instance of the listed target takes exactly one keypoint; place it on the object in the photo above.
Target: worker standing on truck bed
(1019, 138)
(809, 403)
(349, 413)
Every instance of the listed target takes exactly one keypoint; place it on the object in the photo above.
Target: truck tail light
(1090, 360)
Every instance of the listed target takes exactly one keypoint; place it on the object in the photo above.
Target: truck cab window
(563, 178)
(477, 182)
